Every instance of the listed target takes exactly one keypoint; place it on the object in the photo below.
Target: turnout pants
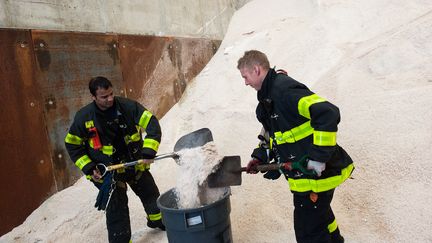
(117, 212)
(314, 221)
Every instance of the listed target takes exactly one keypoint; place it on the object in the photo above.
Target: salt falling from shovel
(195, 166)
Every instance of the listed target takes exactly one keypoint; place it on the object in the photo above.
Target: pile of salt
(195, 166)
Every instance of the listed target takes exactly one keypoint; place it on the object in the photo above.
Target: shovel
(229, 171)
(194, 139)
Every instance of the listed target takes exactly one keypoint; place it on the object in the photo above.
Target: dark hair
(98, 82)
(253, 57)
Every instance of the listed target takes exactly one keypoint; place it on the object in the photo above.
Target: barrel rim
(225, 197)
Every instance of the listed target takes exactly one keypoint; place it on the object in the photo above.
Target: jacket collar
(264, 92)
(112, 111)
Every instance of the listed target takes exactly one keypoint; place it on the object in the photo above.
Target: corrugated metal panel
(27, 176)
(65, 62)
(156, 70)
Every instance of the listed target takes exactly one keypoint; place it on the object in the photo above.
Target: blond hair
(251, 58)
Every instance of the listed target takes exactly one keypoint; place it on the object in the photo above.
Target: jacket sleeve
(75, 145)
(324, 118)
(153, 134)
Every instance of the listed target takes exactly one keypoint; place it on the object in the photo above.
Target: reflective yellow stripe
(322, 138)
(321, 185)
(136, 137)
(72, 139)
(286, 137)
(145, 119)
(132, 138)
(295, 134)
(332, 227)
(83, 161)
(108, 149)
(89, 124)
(305, 102)
(151, 143)
(142, 167)
(154, 217)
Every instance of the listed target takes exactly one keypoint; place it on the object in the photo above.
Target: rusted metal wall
(44, 82)
(64, 64)
(26, 170)
(156, 70)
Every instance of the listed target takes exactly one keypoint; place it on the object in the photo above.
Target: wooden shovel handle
(123, 165)
(274, 166)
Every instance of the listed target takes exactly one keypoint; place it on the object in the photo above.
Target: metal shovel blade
(228, 173)
(194, 139)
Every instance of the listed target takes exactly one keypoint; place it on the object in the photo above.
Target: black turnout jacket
(300, 125)
(120, 132)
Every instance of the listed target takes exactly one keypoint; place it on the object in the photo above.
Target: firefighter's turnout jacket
(119, 130)
(301, 124)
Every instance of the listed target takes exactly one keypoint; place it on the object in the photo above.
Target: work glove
(104, 191)
(316, 166)
(251, 166)
(260, 154)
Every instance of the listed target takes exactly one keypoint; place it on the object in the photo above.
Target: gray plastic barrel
(210, 223)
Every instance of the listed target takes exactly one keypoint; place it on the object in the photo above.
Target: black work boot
(156, 224)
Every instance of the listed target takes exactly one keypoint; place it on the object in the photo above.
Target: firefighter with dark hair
(108, 131)
(298, 126)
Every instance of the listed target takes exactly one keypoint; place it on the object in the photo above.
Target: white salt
(195, 166)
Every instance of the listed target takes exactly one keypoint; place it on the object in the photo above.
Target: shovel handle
(104, 169)
(267, 167)
(123, 165)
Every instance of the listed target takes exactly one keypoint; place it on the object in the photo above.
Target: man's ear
(257, 70)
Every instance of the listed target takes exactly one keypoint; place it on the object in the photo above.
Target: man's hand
(251, 166)
(316, 166)
(96, 174)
